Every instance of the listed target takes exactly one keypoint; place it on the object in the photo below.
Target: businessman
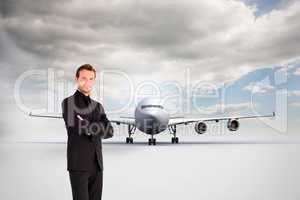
(86, 125)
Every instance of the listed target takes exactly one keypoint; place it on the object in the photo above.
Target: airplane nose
(155, 121)
(153, 116)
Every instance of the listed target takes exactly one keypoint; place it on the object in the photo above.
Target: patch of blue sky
(269, 80)
(263, 6)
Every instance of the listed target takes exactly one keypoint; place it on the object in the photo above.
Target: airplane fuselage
(151, 117)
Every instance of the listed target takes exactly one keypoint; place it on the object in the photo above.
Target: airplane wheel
(129, 140)
(150, 141)
(175, 140)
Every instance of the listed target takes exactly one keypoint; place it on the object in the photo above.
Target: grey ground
(210, 170)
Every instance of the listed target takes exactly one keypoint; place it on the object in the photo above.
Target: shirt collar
(81, 95)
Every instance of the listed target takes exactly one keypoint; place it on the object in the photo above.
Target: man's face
(86, 80)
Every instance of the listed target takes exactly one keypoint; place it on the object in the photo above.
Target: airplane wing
(178, 121)
(118, 121)
(57, 116)
(123, 120)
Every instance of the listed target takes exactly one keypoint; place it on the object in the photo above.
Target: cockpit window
(152, 106)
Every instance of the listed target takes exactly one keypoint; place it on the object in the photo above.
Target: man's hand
(86, 132)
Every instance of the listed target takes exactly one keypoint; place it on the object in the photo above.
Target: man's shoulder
(96, 102)
(69, 98)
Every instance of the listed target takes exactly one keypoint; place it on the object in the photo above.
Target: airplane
(151, 118)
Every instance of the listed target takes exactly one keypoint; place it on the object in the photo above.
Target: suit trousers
(87, 185)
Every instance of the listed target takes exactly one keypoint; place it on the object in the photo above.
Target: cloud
(233, 109)
(255, 87)
(213, 41)
(294, 93)
(295, 104)
(220, 37)
(297, 72)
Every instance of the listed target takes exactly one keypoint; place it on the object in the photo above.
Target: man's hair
(86, 67)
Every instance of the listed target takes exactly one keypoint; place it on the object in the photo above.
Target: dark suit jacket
(86, 125)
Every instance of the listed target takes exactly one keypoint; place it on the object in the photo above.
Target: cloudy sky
(242, 56)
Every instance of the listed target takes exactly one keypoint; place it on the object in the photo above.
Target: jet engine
(233, 124)
(200, 127)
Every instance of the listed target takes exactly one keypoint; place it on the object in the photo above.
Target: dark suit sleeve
(108, 130)
(70, 119)
(64, 109)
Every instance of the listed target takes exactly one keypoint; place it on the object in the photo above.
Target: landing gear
(172, 130)
(131, 129)
(152, 140)
(129, 140)
(175, 140)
